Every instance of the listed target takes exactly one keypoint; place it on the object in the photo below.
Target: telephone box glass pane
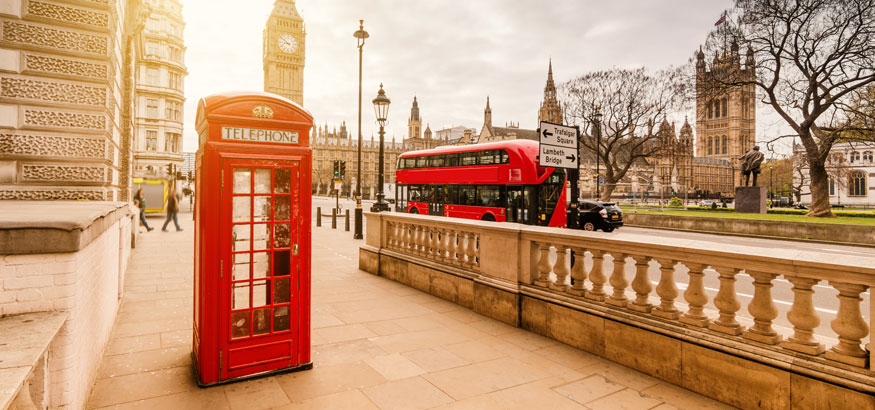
(241, 295)
(241, 266)
(262, 209)
(261, 236)
(261, 321)
(242, 180)
(259, 293)
(281, 208)
(261, 266)
(241, 209)
(281, 262)
(281, 290)
(239, 324)
(282, 181)
(240, 236)
(262, 181)
(281, 236)
(281, 319)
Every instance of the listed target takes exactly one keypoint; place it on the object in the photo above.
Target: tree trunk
(607, 190)
(819, 189)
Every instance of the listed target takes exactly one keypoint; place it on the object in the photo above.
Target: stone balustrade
(520, 274)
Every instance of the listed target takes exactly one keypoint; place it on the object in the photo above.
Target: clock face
(288, 43)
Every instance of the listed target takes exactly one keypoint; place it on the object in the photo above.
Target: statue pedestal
(750, 199)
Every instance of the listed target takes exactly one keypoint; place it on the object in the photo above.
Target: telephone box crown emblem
(262, 111)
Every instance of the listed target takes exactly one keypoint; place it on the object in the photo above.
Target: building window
(151, 140)
(172, 111)
(173, 142)
(152, 108)
(857, 184)
(153, 76)
(832, 187)
(175, 80)
(176, 54)
(710, 146)
(724, 108)
(712, 106)
(153, 49)
(724, 145)
(867, 156)
(854, 157)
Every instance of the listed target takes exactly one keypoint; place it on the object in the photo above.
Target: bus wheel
(488, 217)
(414, 211)
(588, 226)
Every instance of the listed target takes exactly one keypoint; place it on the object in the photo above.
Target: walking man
(140, 202)
(172, 209)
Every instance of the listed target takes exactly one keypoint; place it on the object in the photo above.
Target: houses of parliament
(707, 165)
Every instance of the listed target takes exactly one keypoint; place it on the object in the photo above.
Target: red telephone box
(252, 237)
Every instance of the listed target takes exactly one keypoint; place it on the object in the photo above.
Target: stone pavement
(377, 344)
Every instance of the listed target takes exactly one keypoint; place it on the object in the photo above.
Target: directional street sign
(557, 157)
(559, 146)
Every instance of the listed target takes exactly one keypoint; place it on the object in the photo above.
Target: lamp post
(771, 189)
(598, 136)
(381, 109)
(360, 36)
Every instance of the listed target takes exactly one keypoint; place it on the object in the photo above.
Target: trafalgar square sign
(559, 146)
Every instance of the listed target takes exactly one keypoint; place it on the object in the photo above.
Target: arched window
(710, 145)
(867, 156)
(832, 187)
(717, 109)
(710, 109)
(724, 145)
(854, 157)
(857, 184)
(724, 108)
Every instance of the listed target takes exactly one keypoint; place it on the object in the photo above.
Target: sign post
(560, 148)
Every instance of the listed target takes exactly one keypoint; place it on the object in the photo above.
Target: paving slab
(376, 344)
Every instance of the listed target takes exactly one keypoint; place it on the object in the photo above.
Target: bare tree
(812, 58)
(836, 167)
(629, 100)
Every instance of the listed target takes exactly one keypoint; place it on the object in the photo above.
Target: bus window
(468, 158)
(415, 193)
(435, 161)
(452, 194)
(452, 160)
(409, 163)
(440, 194)
(422, 162)
(505, 159)
(488, 195)
(400, 164)
(467, 195)
(487, 157)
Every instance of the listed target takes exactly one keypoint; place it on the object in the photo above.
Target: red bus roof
(523, 148)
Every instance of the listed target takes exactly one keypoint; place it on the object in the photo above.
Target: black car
(606, 216)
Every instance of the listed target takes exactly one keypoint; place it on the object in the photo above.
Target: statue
(750, 164)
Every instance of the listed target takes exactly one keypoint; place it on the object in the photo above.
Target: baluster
(597, 276)
(578, 273)
(543, 265)
(803, 317)
(470, 251)
(441, 244)
(429, 242)
(560, 268)
(763, 309)
(849, 325)
(641, 285)
(396, 229)
(695, 296)
(667, 290)
(727, 303)
(420, 240)
(409, 239)
(618, 281)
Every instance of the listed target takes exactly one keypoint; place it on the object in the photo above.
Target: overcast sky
(451, 54)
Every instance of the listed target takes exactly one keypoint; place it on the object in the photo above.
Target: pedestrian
(140, 202)
(172, 209)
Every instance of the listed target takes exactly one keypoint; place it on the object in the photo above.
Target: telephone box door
(260, 305)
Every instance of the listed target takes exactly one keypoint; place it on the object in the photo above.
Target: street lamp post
(360, 35)
(771, 189)
(381, 109)
(598, 135)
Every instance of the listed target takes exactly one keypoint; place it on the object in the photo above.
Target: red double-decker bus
(497, 181)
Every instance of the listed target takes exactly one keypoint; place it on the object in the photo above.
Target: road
(825, 300)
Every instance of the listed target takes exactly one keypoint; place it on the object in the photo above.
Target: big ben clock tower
(283, 53)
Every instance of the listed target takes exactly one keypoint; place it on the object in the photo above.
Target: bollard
(318, 216)
(346, 227)
(333, 218)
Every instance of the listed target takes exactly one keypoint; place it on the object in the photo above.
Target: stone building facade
(333, 144)
(158, 94)
(851, 167)
(284, 52)
(65, 98)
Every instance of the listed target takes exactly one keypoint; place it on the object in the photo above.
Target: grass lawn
(769, 217)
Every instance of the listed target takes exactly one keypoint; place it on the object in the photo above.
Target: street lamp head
(361, 34)
(598, 114)
(381, 106)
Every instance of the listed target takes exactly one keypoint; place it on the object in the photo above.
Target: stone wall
(85, 283)
(856, 234)
(520, 275)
